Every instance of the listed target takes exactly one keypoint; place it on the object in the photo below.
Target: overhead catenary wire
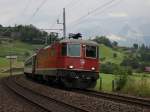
(12, 19)
(26, 6)
(76, 23)
(70, 3)
(37, 9)
(105, 5)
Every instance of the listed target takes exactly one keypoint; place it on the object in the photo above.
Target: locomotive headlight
(71, 66)
(93, 68)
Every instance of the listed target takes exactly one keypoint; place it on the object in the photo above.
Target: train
(73, 63)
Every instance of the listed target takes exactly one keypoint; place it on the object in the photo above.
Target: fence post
(113, 85)
(100, 83)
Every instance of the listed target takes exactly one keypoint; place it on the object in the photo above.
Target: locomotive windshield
(91, 51)
(74, 50)
(70, 50)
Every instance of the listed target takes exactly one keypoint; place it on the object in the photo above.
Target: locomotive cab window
(74, 50)
(91, 51)
(64, 49)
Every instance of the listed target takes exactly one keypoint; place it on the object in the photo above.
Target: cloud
(118, 14)
(114, 37)
(110, 22)
(148, 2)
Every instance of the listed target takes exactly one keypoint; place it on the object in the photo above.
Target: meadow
(137, 84)
(108, 54)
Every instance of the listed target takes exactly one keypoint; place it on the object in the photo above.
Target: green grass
(3, 62)
(17, 48)
(107, 52)
(3, 75)
(7, 74)
(136, 84)
(106, 82)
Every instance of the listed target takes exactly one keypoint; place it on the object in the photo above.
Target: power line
(20, 13)
(38, 8)
(26, 6)
(71, 3)
(94, 10)
(24, 9)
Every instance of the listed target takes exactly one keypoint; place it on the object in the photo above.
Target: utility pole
(64, 23)
(10, 58)
(46, 40)
(10, 65)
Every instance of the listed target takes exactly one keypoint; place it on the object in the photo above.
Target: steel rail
(44, 102)
(116, 97)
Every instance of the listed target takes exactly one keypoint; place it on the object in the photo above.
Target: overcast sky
(108, 20)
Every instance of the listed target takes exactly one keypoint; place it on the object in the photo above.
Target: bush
(129, 71)
(108, 68)
(102, 59)
(26, 54)
(114, 55)
(121, 78)
(103, 40)
(132, 62)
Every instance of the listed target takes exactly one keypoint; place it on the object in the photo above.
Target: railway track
(112, 96)
(117, 97)
(87, 98)
(46, 103)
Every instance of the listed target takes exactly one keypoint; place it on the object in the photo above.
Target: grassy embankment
(136, 84)
(107, 53)
(17, 48)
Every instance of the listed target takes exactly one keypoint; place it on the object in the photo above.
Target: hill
(107, 54)
(23, 50)
(20, 49)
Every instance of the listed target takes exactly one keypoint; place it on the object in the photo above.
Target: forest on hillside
(27, 33)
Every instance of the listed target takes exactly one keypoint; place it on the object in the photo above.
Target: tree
(121, 78)
(143, 47)
(145, 56)
(135, 46)
(103, 40)
(52, 37)
(26, 54)
(108, 68)
(130, 62)
(25, 33)
(114, 55)
(115, 44)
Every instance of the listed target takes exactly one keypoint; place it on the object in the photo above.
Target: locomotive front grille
(79, 74)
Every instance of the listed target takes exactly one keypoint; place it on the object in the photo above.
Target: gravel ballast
(92, 104)
(11, 102)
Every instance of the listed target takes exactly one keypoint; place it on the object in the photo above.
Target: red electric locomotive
(71, 62)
